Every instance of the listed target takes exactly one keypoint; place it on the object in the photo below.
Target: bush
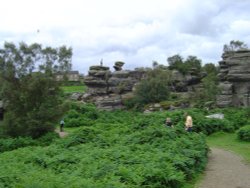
(47, 139)
(78, 122)
(8, 144)
(154, 88)
(244, 133)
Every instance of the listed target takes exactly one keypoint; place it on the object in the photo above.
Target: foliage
(229, 141)
(81, 115)
(210, 68)
(29, 88)
(191, 64)
(210, 89)
(234, 45)
(154, 88)
(244, 133)
(121, 149)
(8, 144)
(74, 89)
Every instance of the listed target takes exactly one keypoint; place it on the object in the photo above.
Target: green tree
(210, 83)
(154, 88)
(184, 66)
(29, 88)
(176, 62)
(210, 68)
(192, 63)
(234, 45)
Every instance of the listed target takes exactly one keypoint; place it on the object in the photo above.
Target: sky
(136, 32)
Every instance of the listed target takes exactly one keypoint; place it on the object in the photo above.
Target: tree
(184, 66)
(175, 62)
(192, 62)
(210, 68)
(210, 83)
(154, 88)
(29, 88)
(234, 45)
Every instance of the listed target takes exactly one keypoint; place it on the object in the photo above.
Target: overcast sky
(134, 31)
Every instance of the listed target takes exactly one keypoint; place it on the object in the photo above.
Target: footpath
(225, 170)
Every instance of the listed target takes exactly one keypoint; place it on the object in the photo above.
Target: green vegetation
(119, 149)
(192, 63)
(160, 84)
(31, 93)
(74, 89)
(230, 141)
(8, 144)
(244, 133)
(154, 88)
(234, 45)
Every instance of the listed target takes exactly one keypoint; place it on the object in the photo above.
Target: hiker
(61, 125)
(188, 123)
(168, 122)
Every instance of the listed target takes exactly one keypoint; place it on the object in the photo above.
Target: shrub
(9, 144)
(47, 139)
(244, 133)
(154, 88)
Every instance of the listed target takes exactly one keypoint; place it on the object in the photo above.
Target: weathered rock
(99, 68)
(109, 90)
(118, 65)
(226, 88)
(101, 73)
(110, 102)
(121, 74)
(224, 100)
(234, 76)
(216, 116)
(76, 96)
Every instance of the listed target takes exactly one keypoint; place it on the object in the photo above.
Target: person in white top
(189, 123)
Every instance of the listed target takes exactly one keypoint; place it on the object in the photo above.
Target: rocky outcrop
(187, 82)
(108, 90)
(234, 76)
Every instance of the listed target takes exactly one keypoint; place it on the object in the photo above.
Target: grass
(74, 89)
(229, 141)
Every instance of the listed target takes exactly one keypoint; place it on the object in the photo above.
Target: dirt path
(225, 170)
(61, 134)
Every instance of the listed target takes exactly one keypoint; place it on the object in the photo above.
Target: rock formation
(108, 90)
(118, 65)
(234, 76)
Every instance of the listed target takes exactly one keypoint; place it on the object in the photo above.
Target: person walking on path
(61, 125)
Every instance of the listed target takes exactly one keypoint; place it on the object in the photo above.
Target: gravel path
(225, 170)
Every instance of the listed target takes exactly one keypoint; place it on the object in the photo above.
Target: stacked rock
(109, 90)
(234, 77)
